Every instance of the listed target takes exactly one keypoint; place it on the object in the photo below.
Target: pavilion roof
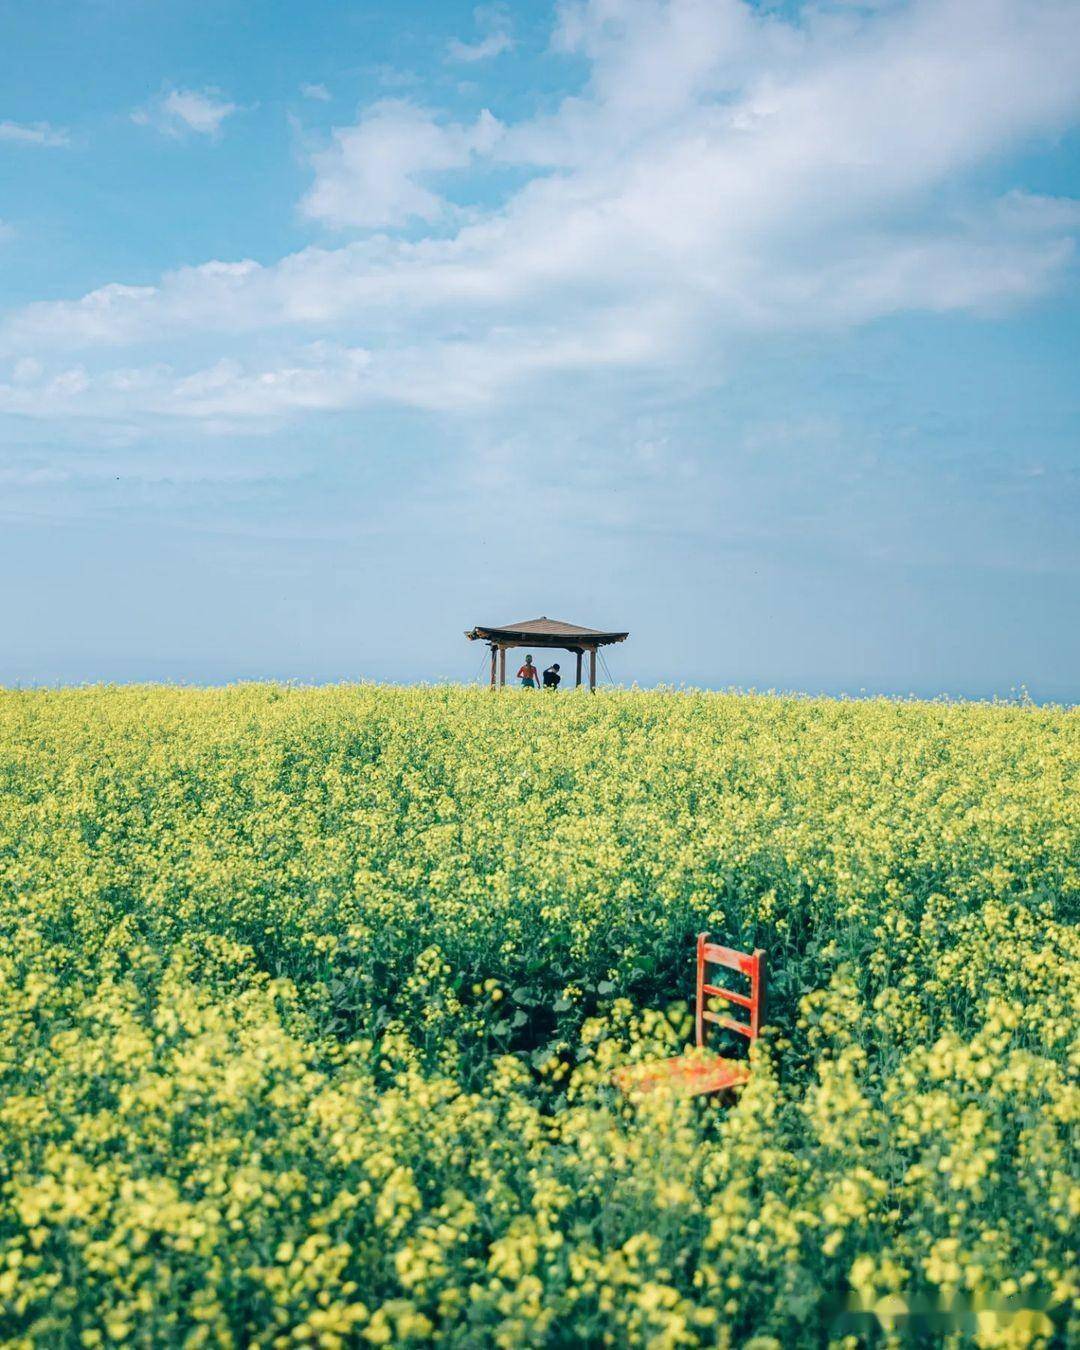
(545, 632)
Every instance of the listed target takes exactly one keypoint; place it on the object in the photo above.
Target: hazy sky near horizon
(328, 330)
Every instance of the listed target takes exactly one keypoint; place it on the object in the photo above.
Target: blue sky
(329, 330)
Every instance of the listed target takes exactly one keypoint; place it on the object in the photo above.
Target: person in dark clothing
(552, 676)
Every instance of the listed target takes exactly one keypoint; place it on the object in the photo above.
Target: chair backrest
(752, 965)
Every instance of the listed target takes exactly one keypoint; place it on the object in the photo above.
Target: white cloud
(371, 173)
(492, 45)
(722, 171)
(1028, 211)
(178, 112)
(33, 133)
(41, 477)
(27, 370)
(318, 92)
(441, 376)
(494, 23)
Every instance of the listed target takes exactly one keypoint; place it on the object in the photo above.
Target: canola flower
(310, 1001)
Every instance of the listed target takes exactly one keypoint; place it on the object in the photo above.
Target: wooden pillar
(592, 669)
(577, 682)
(493, 665)
(502, 665)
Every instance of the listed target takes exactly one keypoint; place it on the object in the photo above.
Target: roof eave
(564, 641)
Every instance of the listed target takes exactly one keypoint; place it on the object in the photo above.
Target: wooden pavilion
(543, 632)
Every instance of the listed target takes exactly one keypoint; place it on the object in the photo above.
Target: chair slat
(716, 992)
(716, 955)
(730, 1023)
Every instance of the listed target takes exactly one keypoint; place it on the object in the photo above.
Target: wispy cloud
(180, 112)
(33, 133)
(317, 92)
(493, 22)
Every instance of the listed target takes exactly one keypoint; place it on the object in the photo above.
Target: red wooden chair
(700, 1071)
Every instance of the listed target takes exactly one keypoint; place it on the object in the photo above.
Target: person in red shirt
(529, 675)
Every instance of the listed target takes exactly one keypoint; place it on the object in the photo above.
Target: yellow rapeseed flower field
(310, 1001)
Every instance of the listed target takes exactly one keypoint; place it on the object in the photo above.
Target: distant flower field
(310, 1001)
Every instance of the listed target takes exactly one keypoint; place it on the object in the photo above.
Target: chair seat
(686, 1075)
